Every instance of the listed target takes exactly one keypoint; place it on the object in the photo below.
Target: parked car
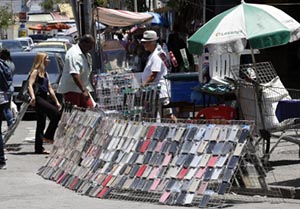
(11, 45)
(26, 42)
(66, 39)
(60, 51)
(62, 36)
(53, 44)
(23, 62)
(39, 37)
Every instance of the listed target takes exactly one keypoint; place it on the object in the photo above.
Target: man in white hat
(155, 70)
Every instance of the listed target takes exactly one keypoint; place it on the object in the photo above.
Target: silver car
(11, 45)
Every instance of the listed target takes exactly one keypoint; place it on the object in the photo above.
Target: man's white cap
(149, 35)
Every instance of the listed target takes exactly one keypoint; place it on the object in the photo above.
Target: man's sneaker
(3, 167)
(29, 140)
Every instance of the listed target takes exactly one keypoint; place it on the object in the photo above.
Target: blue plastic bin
(181, 86)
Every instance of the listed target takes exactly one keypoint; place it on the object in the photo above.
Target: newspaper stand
(259, 94)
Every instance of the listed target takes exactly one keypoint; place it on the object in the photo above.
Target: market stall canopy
(259, 25)
(158, 19)
(120, 18)
(73, 29)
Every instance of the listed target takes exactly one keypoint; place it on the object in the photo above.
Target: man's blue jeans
(2, 158)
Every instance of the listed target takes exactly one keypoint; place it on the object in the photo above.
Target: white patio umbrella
(260, 25)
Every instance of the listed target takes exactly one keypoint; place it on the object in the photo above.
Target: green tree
(100, 3)
(141, 5)
(6, 18)
(48, 5)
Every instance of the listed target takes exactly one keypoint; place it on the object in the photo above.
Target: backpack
(5, 76)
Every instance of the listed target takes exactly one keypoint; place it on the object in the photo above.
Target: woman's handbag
(23, 94)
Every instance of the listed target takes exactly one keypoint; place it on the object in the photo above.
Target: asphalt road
(22, 188)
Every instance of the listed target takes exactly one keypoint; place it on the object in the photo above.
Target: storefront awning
(120, 18)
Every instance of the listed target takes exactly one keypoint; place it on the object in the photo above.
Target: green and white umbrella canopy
(261, 25)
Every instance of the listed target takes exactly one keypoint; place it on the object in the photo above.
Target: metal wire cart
(117, 92)
(263, 98)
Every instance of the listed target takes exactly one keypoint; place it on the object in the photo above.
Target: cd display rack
(174, 164)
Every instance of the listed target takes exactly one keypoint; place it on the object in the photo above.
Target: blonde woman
(39, 87)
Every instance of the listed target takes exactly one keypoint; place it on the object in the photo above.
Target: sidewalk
(285, 166)
(22, 188)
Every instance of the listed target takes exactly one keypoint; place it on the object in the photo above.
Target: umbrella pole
(254, 65)
(258, 90)
(253, 59)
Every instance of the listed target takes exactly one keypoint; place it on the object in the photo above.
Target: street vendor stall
(114, 19)
(257, 26)
(129, 154)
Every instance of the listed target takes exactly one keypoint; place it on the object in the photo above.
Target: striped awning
(120, 18)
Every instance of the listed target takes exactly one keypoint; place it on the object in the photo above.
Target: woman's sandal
(49, 141)
(44, 152)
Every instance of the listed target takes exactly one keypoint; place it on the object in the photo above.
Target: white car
(27, 43)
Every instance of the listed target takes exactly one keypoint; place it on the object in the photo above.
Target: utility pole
(204, 12)
(82, 10)
(135, 6)
(83, 14)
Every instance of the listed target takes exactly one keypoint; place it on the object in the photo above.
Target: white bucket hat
(149, 35)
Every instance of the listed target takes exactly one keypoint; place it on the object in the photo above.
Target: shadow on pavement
(283, 162)
(292, 182)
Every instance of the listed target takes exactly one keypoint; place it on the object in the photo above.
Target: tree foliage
(141, 5)
(48, 5)
(100, 3)
(6, 17)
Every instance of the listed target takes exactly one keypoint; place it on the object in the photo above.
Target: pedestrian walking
(155, 70)
(75, 81)
(39, 87)
(3, 101)
(5, 82)
(7, 111)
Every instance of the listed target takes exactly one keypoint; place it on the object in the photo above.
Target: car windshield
(60, 51)
(11, 45)
(24, 42)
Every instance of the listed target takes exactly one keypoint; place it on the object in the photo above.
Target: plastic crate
(217, 112)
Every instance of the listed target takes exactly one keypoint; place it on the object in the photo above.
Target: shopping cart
(263, 98)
